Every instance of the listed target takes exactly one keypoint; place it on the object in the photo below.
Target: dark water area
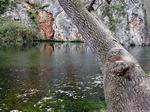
(54, 78)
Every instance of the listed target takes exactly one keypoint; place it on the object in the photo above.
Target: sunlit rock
(45, 23)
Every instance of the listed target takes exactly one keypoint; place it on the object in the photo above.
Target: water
(54, 78)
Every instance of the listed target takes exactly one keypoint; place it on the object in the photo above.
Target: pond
(54, 77)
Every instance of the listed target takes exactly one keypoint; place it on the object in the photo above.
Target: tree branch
(90, 7)
(108, 1)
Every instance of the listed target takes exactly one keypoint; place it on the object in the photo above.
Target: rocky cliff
(125, 18)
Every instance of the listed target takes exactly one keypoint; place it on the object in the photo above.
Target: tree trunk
(126, 87)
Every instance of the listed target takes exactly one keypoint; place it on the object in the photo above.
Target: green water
(54, 78)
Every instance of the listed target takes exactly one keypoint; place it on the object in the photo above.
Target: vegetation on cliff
(15, 33)
(3, 5)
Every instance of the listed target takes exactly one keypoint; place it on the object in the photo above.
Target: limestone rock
(126, 19)
(18, 13)
(45, 23)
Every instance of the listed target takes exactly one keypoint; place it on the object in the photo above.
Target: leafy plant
(33, 16)
(3, 5)
(15, 33)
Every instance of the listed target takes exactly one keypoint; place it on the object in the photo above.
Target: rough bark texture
(126, 86)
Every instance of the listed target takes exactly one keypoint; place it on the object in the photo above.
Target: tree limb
(90, 7)
(108, 1)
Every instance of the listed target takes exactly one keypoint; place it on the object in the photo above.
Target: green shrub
(3, 5)
(15, 33)
(33, 16)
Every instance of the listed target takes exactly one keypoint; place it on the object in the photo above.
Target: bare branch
(90, 7)
(108, 1)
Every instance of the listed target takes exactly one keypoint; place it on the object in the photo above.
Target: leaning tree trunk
(126, 86)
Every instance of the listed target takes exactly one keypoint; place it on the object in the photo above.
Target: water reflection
(51, 77)
(47, 49)
(55, 78)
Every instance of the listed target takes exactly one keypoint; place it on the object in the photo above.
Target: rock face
(126, 19)
(18, 13)
(64, 28)
(147, 9)
(43, 19)
(45, 22)
(136, 17)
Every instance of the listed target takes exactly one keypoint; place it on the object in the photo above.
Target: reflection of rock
(47, 49)
(45, 22)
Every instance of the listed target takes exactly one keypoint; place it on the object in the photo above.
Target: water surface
(54, 78)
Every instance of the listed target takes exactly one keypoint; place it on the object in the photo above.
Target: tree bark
(126, 87)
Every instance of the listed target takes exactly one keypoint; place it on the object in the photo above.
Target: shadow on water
(50, 78)
(54, 78)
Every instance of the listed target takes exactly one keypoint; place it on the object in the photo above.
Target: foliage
(3, 5)
(109, 12)
(15, 33)
(33, 16)
(38, 6)
(32, 13)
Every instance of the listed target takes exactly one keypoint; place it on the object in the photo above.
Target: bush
(3, 5)
(13, 33)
